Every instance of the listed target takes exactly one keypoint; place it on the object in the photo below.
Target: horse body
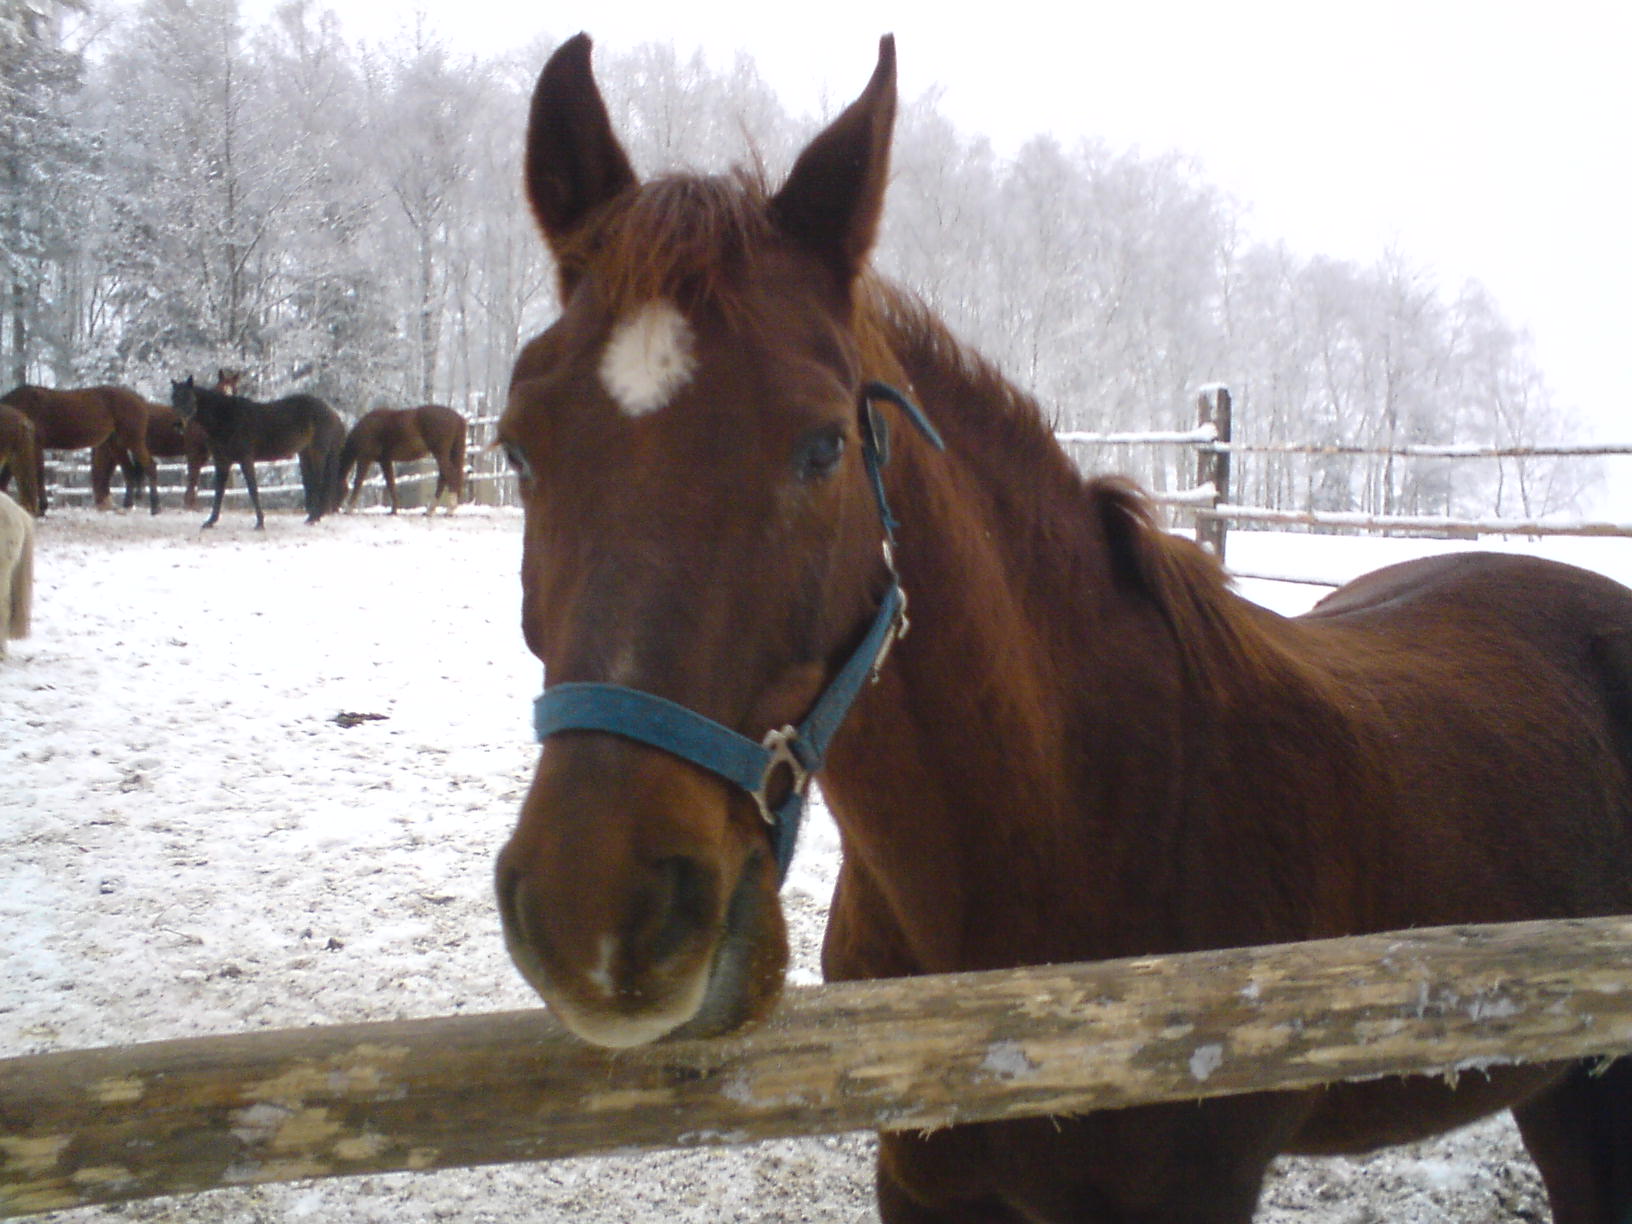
(20, 457)
(16, 571)
(85, 418)
(1086, 747)
(243, 431)
(389, 436)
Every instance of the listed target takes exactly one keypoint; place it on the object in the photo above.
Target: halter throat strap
(787, 756)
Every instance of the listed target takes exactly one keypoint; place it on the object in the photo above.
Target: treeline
(181, 191)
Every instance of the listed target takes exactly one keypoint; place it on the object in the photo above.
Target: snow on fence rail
(131, 1122)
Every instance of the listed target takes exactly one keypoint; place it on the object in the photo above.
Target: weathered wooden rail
(111, 1125)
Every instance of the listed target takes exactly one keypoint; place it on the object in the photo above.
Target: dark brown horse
(1087, 746)
(244, 431)
(389, 436)
(84, 418)
(20, 457)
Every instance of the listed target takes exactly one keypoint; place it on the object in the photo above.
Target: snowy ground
(190, 843)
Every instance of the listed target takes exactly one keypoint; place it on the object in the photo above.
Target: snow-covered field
(192, 841)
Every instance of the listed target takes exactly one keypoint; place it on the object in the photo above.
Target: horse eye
(517, 460)
(820, 452)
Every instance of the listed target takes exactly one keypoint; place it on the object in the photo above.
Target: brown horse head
(700, 526)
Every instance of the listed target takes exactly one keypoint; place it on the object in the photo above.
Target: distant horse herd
(125, 431)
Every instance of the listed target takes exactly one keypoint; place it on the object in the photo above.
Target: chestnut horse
(1088, 746)
(19, 457)
(16, 571)
(84, 418)
(168, 437)
(243, 431)
(389, 436)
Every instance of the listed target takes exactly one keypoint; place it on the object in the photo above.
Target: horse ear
(834, 196)
(574, 163)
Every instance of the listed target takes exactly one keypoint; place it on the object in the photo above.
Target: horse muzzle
(636, 901)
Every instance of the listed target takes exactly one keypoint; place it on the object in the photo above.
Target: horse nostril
(679, 907)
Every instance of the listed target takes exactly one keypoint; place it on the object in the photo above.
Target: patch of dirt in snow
(257, 779)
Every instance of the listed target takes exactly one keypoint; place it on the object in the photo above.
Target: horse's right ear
(574, 162)
(834, 197)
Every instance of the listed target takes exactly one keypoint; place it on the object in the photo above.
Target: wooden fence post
(1213, 466)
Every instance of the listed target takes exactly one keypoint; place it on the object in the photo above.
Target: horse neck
(969, 772)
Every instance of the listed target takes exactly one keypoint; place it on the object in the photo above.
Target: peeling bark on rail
(98, 1126)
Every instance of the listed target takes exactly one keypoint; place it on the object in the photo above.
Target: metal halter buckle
(780, 745)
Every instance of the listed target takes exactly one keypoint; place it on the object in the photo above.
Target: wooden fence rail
(112, 1125)
(1209, 501)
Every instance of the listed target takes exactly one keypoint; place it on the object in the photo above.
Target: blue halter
(795, 753)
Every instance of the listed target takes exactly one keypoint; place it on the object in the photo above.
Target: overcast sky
(1489, 140)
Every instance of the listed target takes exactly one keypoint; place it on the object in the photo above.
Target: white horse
(16, 570)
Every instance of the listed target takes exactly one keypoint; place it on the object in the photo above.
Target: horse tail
(333, 467)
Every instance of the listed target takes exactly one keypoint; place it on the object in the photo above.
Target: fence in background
(1208, 504)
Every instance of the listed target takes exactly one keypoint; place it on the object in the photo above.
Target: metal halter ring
(780, 745)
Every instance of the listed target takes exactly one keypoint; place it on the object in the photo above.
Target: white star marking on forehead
(648, 359)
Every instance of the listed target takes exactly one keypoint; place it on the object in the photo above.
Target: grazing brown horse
(244, 431)
(16, 571)
(84, 418)
(168, 437)
(19, 457)
(389, 436)
(1087, 746)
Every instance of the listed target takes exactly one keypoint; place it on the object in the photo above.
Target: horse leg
(1579, 1133)
(441, 484)
(223, 470)
(356, 486)
(389, 471)
(310, 483)
(247, 467)
(195, 469)
(150, 466)
(896, 1206)
(1195, 1164)
(133, 480)
(102, 465)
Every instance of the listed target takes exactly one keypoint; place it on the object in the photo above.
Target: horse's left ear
(834, 197)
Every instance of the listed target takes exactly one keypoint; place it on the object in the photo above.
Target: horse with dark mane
(20, 457)
(1087, 747)
(244, 431)
(16, 571)
(82, 419)
(388, 436)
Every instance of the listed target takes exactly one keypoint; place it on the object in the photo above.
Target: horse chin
(750, 960)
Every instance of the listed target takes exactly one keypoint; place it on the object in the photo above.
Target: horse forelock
(686, 239)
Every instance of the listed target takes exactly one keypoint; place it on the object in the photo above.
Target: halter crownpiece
(796, 752)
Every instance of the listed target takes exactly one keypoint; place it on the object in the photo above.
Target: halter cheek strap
(793, 753)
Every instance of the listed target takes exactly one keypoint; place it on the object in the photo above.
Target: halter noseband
(797, 752)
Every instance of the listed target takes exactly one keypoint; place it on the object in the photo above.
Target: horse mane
(686, 237)
(1215, 631)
